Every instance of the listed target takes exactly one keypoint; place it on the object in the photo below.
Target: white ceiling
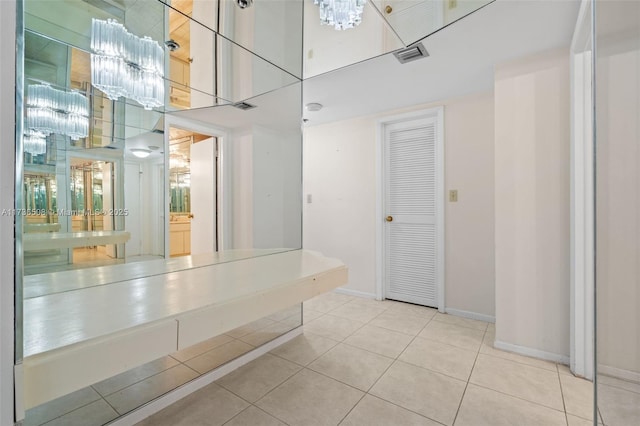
(462, 59)
(278, 110)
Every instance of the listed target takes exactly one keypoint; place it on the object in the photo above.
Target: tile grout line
(466, 386)
(516, 362)
(564, 405)
(600, 418)
(517, 397)
(349, 385)
(238, 413)
(272, 390)
(397, 359)
(75, 409)
(252, 403)
(383, 373)
(619, 387)
(351, 409)
(108, 403)
(405, 408)
(269, 414)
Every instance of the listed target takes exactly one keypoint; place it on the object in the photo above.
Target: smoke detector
(243, 4)
(243, 106)
(172, 45)
(313, 107)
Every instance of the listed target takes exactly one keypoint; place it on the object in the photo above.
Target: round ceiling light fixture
(313, 107)
(140, 152)
(243, 4)
(172, 45)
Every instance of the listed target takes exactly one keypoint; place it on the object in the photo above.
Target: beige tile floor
(362, 362)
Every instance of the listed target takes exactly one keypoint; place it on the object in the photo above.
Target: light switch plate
(453, 196)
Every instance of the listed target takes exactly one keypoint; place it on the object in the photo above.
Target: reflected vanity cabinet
(180, 241)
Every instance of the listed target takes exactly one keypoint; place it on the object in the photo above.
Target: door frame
(438, 114)
(223, 184)
(582, 252)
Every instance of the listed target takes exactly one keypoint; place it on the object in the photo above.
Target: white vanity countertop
(41, 227)
(57, 240)
(61, 319)
(56, 282)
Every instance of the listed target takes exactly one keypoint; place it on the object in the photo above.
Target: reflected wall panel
(618, 211)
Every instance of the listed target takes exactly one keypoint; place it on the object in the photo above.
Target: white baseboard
(619, 373)
(534, 353)
(470, 315)
(355, 293)
(177, 394)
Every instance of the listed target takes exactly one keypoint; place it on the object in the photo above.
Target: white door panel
(411, 230)
(203, 196)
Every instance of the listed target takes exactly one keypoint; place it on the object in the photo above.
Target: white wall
(340, 175)
(532, 142)
(469, 137)
(266, 189)
(145, 203)
(271, 29)
(618, 205)
(7, 171)
(241, 193)
(202, 70)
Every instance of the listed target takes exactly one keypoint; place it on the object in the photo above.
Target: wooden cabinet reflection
(179, 236)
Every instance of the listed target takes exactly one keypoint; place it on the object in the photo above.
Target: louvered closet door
(410, 201)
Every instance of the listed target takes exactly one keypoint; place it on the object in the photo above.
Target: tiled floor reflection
(104, 401)
(359, 362)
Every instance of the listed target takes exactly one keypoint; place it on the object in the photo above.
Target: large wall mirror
(182, 152)
(133, 179)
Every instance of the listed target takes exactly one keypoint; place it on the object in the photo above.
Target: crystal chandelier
(126, 65)
(34, 143)
(342, 14)
(50, 111)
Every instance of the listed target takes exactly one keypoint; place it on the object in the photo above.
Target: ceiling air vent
(412, 53)
(243, 106)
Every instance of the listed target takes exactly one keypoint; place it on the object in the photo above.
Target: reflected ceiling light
(34, 143)
(342, 14)
(126, 65)
(140, 152)
(313, 107)
(50, 111)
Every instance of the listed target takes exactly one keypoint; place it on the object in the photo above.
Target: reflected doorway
(92, 196)
(193, 192)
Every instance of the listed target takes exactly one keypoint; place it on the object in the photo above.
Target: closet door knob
(389, 218)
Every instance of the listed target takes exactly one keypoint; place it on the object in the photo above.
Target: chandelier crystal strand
(50, 111)
(34, 143)
(126, 65)
(341, 14)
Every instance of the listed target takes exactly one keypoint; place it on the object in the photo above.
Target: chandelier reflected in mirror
(126, 65)
(342, 14)
(50, 111)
